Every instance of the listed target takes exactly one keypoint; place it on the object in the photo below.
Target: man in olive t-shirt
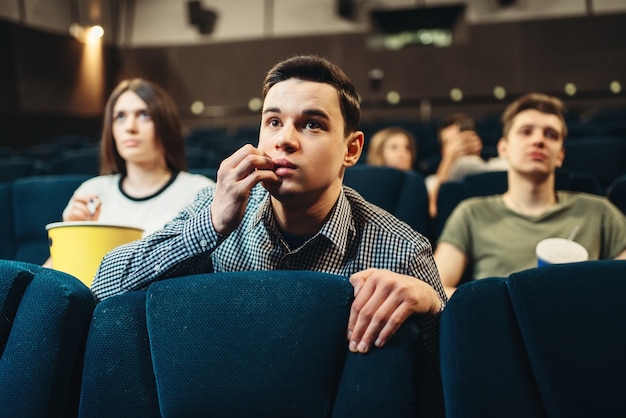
(498, 234)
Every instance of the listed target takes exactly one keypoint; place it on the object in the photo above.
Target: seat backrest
(38, 201)
(208, 137)
(7, 237)
(202, 158)
(45, 318)
(545, 342)
(84, 161)
(18, 167)
(604, 157)
(616, 193)
(263, 344)
(402, 193)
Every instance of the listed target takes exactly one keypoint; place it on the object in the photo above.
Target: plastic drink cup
(559, 251)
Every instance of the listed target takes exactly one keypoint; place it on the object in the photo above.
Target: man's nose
(287, 138)
(538, 138)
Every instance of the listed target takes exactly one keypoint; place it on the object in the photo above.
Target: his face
(302, 130)
(397, 152)
(133, 129)
(534, 144)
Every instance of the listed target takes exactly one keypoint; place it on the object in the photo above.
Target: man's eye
(312, 124)
(551, 135)
(273, 122)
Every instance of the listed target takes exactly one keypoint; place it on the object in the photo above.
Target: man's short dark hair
(320, 70)
(537, 101)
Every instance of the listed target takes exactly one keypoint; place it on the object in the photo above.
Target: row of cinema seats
(83, 161)
(600, 156)
(240, 344)
(545, 342)
(27, 205)
(63, 154)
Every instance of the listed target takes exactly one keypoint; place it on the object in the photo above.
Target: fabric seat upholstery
(544, 342)
(43, 327)
(402, 193)
(241, 344)
(38, 201)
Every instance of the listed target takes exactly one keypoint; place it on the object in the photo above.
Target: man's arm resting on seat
(451, 263)
(621, 256)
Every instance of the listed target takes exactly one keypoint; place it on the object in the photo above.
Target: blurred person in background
(392, 147)
(460, 155)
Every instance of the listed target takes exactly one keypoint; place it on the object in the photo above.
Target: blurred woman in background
(143, 180)
(392, 147)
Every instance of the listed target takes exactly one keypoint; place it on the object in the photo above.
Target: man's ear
(559, 162)
(354, 148)
(502, 147)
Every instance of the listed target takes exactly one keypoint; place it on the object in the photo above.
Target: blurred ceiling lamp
(94, 33)
(87, 34)
(427, 26)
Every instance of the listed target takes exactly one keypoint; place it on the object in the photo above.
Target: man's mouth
(282, 167)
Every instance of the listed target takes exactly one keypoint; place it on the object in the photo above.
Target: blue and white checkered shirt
(356, 236)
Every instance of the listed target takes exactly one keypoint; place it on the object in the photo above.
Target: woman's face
(397, 152)
(133, 130)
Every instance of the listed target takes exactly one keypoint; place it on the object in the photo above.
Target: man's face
(302, 130)
(534, 144)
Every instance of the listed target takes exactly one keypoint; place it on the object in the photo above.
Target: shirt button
(157, 267)
(203, 243)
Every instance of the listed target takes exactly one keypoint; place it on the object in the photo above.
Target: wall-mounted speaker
(347, 9)
(203, 19)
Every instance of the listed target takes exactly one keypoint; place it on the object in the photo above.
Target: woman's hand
(83, 208)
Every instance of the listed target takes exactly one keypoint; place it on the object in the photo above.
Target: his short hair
(320, 70)
(537, 101)
(457, 118)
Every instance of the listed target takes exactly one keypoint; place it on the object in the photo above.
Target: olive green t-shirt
(499, 241)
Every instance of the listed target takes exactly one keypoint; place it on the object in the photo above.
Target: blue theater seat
(241, 344)
(402, 193)
(616, 193)
(546, 342)
(35, 202)
(43, 327)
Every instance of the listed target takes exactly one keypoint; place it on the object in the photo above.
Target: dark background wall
(38, 73)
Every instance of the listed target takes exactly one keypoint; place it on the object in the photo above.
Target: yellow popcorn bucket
(77, 248)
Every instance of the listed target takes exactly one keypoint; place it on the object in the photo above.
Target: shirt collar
(339, 229)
